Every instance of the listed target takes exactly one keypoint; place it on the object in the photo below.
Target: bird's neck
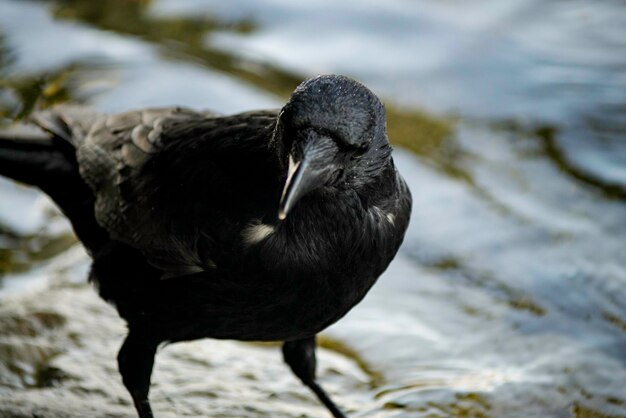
(330, 230)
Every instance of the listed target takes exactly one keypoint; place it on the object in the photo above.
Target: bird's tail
(32, 159)
(47, 160)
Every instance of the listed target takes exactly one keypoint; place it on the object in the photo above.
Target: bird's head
(331, 133)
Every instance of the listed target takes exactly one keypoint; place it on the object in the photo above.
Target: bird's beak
(313, 170)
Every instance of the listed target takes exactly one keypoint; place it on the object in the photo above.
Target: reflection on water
(508, 298)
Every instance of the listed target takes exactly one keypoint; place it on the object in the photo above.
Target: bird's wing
(158, 175)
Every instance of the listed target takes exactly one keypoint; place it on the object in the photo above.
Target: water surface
(508, 298)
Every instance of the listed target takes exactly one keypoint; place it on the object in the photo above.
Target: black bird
(267, 225)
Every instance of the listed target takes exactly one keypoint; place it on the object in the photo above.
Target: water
(508, 298)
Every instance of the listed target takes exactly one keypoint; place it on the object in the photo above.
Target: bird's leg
(135, 361)
(300, 356)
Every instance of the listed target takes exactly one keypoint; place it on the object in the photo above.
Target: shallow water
(508, 298)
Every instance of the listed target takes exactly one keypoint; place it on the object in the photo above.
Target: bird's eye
(356, 152)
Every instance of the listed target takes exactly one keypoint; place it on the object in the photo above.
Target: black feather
(180, 212)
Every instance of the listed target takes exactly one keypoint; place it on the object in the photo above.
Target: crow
(259, 226)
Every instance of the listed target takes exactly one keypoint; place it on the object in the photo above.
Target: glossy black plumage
(181, 217)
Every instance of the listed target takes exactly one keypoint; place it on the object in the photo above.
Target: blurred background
(508, 118)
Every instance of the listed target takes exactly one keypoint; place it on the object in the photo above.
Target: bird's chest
(325, 239)
(318, 271)
(296, 277)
